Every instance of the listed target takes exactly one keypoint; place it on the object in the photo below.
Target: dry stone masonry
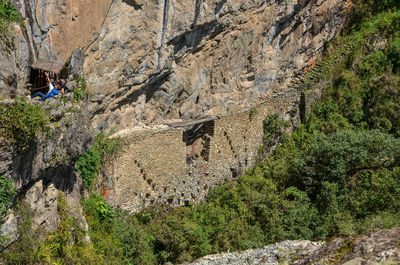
(178, 166)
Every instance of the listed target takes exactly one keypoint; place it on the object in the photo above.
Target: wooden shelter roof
(54, 67)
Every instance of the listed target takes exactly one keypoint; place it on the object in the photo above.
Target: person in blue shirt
(53, 91)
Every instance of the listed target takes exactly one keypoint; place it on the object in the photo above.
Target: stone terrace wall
(238, 137)
(149, 166)
(155, 166)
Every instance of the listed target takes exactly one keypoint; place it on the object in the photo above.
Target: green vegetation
(337, 174)
(273, 127)
(21, 123)
(23, 251)
(252, 112)
(8, 14)
(56, 249)
(7, 193)
(82, 92)
(90, 162)
(66, 245)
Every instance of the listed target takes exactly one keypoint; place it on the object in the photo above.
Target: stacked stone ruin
(155, 166)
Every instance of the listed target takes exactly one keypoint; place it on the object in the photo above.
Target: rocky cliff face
(50, 30)
(15, 58)
(46, 168)
(157, 60)
(149, 61)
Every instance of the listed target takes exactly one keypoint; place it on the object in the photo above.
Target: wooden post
(38, 78)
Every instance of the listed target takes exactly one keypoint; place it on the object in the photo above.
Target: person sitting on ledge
(53, 91)
(63, 84)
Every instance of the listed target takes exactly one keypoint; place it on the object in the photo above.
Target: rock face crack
(32, 48)
(196, 13)
(163, 35)
(219, 7)
(102, 25)
(282, 22)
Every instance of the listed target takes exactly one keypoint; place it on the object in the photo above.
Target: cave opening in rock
(38, 81)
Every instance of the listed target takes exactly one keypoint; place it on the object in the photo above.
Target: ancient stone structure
(151, 163)
(178, 165)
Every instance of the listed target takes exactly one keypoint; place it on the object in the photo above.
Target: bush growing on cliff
(81, 92)
(8, 14)
(101, 220)
(98, 208)
(21, 123)
(66, 245)
(88, 166)
(90, 163)
(7, 192)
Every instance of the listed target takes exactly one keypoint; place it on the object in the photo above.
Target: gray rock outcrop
(15, 59)
(375, 248)
(274, 254)
(47, 167)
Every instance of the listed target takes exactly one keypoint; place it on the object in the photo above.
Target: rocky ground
(382, 247)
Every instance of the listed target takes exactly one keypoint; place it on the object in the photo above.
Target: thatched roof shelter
(49, 66)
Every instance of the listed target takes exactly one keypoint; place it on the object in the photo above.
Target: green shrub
(7, 192)
(135, 241)
(8, 14)
(22, 122)
(96, 206)
(78, 94)
(88, 164)
(82, 92)
(274, 125)
(102, 220)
